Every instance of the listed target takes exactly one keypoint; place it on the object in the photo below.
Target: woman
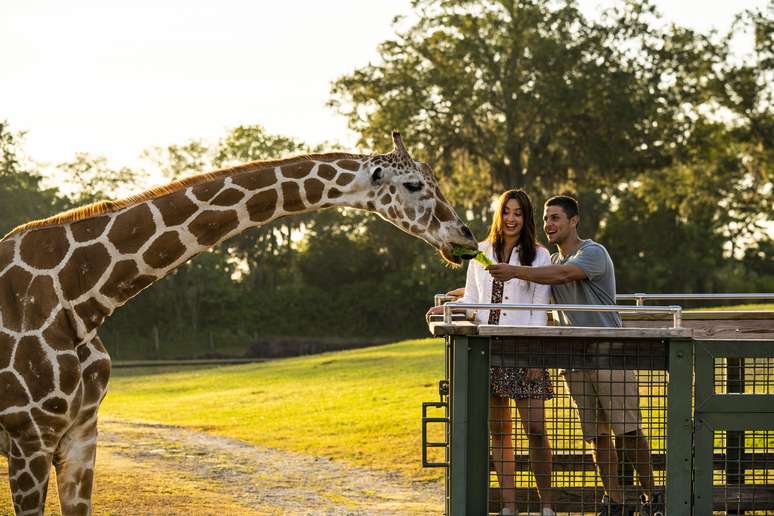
(512, 240)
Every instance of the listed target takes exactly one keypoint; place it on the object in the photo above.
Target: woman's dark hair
(527, 239)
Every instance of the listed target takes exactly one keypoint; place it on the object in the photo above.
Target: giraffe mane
(104, 207)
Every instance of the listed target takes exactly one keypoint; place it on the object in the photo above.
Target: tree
(89, 179)
(533, 95)
(22, 197)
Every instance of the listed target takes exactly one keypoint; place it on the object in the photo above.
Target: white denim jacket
(478, 289)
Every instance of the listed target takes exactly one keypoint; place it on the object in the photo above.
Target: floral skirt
(512, 382)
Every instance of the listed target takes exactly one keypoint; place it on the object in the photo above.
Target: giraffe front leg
(76, 453)
(74, 462)
(29, 467)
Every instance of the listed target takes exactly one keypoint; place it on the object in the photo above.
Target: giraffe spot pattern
(348, 164)
(30, 501)
(228, 197)
(297, 170)
(344, 179)
(50, 426)
(39, 302)
(326, 171)
(55, 405)
(89, 229)
(262, 206)
(6, 253)
(92, 313)
(25, 482)
(423, 220)
(125, 281)
(132, 229)
(69, 373)
(44, 248)
(434, 225)
(255, 179)
(210, 226)
(291, 197)
(175, 208)
(443, 213)
(14, 395)
(39, 467)
(164, 250)
(6, 349)
(206, 191)
(84, 268)
(60, 333)
(97, 375)
(334, 193)
(33, 366)
(314, 190)
(16, 282)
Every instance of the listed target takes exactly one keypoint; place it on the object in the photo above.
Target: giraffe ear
(377, 176)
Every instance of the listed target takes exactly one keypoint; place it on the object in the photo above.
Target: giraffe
(61, 277)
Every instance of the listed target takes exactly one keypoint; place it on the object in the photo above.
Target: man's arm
(547, 275)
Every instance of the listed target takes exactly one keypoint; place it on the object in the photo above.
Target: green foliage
(22, 198)
(89, 179)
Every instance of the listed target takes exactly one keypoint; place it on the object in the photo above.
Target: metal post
(469, 466)
(679, 446)
(734, 438)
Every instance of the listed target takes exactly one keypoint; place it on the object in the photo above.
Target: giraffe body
(61, 277)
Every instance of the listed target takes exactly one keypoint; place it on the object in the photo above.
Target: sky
(115, 78)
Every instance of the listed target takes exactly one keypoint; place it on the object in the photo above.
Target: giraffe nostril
(467, 233)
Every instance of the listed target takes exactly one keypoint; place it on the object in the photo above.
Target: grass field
(361, 406)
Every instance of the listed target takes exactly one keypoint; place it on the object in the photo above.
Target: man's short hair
(567, 203)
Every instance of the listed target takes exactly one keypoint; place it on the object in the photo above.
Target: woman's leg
(533, 420)
(501, 428)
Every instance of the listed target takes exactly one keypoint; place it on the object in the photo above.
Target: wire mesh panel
(576, 424)
(735, 426)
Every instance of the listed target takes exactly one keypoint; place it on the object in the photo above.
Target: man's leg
(607, 462)
(637, 452)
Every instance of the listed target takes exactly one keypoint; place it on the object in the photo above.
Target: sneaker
(653, 507)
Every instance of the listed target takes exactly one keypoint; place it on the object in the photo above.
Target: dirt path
(268, 481)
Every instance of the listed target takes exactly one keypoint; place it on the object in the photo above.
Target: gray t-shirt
(597, 289)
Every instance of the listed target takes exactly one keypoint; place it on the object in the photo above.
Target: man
(582, 273)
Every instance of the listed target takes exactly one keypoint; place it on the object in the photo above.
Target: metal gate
(734, 427)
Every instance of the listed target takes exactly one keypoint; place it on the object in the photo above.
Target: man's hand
(456, 293)
(502, 271)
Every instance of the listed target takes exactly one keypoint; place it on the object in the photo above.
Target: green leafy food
(471, 254)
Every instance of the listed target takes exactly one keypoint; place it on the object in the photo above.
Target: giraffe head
(406, 193)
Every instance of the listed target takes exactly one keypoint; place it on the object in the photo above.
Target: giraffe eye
(413, 186)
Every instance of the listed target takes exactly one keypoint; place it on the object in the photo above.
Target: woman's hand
(434, 310)
(501, 271)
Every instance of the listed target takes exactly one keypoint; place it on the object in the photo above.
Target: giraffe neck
(108, 258)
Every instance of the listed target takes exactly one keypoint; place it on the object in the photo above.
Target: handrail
(676, 311)
(640, 297)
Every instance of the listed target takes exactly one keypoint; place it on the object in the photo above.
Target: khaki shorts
(605, 399)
